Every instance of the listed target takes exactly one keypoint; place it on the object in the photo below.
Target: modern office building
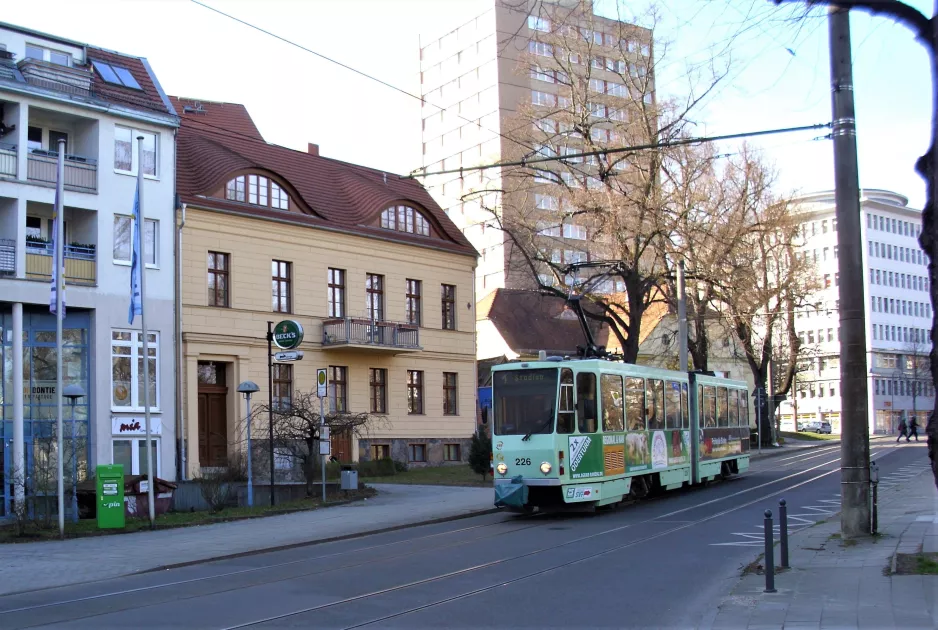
(483, 83)
(898, 315)
(97, 101)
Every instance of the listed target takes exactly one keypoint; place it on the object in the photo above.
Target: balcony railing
(7, 256)
(80, 263)
(81, 173)
(352, 332)
(7, 159)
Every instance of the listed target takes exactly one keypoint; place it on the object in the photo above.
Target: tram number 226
(522, 461)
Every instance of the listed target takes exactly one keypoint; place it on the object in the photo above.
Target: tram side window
(586, 402)
(673, 405)
(708, 415)
(684, 412)
(635, 403)
(744, 409)
(734, 408)
(722, 418)
(566, 413)
(613, 419)
(654, 404)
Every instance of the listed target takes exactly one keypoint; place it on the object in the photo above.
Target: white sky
(295, 97)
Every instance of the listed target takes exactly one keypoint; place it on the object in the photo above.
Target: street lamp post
(73, 393)
(247, 388)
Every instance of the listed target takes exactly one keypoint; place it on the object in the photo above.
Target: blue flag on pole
(58, 266)
(136, 261)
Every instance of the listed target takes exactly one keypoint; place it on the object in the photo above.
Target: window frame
(412, 450)
(153, 251)
(238, 189)
(136, 466)
(415, 400)
(447, 452)
(282, 378)
(412, 297)
(135, 152)
(225, 273)
(281, 286)
(378, 390)
(450, 394)
(335, 291)
(448, 306)
(384, 449)
(338, 388)
(135, 345)
(374, 297)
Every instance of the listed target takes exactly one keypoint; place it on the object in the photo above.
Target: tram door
(586, 446)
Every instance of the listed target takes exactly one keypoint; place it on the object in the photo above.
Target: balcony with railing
(351, 333)
(81, 173)
(7, 160)
(80, 262)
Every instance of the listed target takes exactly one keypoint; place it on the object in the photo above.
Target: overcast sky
(779, 72)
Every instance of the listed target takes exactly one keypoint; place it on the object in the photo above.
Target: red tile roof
(149, 98)
(214, 145)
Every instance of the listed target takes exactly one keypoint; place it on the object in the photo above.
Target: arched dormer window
(257, 190)
(405, 219)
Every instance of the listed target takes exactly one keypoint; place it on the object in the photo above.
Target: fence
(370, 333)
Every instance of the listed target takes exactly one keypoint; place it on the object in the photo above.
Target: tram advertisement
(719, 443)
(655, 450)
(586, 456)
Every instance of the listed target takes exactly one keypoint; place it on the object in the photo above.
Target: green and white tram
(593, 431)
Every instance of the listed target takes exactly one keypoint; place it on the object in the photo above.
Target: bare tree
(297, 430)
(760, 283)
(600, 200)
(914, 371)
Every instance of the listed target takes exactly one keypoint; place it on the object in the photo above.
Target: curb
(781, 450)
(311, 543)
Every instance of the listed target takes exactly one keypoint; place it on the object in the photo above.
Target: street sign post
(321, 382)
(292, 355)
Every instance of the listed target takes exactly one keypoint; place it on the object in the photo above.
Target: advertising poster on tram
(586, 456)
(719, 443)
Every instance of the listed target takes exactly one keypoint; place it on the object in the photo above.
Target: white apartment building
(898, 315)
(476, 78)
(99, 102)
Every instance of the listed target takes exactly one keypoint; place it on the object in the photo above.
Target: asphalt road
(664, 562)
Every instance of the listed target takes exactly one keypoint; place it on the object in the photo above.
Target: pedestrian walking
(913, 429)
(903, 431)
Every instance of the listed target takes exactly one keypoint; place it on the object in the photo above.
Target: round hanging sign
(288, 334)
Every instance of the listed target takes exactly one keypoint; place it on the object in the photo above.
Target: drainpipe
(181, 426)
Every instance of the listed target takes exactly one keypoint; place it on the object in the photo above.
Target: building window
(127, 370)
(380, 451)
(378, 384)
(414, 392)
(450, 394)
(405, 219)
(283, 386)
(132, 454)
(417, 452)
(257, 190)
(336, 292)
(448, 295)
(118, 75)
(218, 289)
(452, 453)
(338, 389)
(280, 286)
(374, 296)
(123, 240)
(413, 302)
(126, 154)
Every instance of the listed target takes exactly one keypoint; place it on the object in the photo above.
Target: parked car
(816, 427)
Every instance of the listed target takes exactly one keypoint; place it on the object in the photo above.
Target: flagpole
(58, 269)
(140, 226)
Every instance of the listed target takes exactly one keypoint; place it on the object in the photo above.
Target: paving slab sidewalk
(836, 585)
(36, 565)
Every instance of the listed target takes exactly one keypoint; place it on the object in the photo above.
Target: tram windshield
(525, 401)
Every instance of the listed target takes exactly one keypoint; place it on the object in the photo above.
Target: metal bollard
(769, 554)
(783, 533)
(874, 483)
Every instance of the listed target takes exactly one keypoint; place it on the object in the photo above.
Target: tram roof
(603, 365)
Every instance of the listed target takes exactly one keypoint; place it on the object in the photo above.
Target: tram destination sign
(288, 334)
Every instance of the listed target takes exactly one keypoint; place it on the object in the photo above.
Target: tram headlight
(502, 468)
(546, 468)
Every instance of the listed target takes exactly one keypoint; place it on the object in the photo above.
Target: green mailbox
(110, 496)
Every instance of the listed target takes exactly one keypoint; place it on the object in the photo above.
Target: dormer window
(257, 190)
(405, 219)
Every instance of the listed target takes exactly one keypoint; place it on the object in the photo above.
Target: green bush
(480, 452)
(400, 467)
(377, 468)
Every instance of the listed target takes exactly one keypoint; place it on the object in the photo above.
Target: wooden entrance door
(342, 446)
(213, 428)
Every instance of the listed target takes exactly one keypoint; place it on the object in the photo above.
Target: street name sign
(290, 355)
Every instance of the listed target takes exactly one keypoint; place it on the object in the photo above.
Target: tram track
(538, 523)
(502, 583)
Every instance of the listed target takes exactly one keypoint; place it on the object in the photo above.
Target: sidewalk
(30, 566)
(837, 585)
